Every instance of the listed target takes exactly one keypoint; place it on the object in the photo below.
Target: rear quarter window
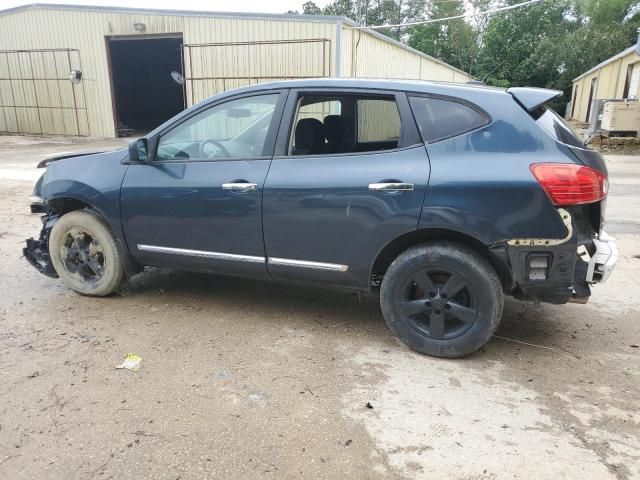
(555, 126)
(439, 119)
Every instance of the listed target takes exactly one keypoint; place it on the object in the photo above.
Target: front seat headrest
(309, 137)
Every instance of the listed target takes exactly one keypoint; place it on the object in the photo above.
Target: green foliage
(373, 12)
(455, 41)
(522, 46)
(310, 8)
(544, 45)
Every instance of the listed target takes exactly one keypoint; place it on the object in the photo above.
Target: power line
(435, 20)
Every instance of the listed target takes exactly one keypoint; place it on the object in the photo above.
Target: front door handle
(391, 186)
(240, 186)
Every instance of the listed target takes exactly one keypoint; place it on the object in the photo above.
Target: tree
(603, 29)
(546, 44)
(550, 43)
(522, 46)
(373, 12)
(310, 8)
(454, 41)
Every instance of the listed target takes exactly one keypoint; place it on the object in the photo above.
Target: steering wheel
(207, 154)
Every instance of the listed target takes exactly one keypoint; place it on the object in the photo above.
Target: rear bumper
(573, 266)
(604, 260)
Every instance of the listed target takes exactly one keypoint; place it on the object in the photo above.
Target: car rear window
(439, 119)
(555, 125)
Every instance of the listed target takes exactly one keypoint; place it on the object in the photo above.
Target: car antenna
(493, 70)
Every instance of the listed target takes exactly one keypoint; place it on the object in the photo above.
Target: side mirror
(139, 150)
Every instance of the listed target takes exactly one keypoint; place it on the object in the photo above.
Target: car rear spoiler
(531, 98)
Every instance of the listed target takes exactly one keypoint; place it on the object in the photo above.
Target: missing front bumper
(37, 254)
(37, 251)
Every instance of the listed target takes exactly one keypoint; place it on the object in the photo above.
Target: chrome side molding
(288, 262)
(201, 253)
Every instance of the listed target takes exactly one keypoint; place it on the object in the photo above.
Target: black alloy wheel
(82, 255)
(85, 254)
(442, 298)
(440, 304)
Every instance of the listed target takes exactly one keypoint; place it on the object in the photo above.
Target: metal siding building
(615, 78)
(40, 44)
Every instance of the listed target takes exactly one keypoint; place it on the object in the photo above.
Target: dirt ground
(242, 379)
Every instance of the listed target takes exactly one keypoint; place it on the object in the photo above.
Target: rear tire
(84, 254)
(442, 299)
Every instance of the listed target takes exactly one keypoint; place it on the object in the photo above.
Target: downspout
(615, 90)
(354, 55)
(337, 70)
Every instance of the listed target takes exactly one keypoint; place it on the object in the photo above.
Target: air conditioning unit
(621, 117)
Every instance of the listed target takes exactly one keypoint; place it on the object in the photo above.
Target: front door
(349, 176)
(197, 203)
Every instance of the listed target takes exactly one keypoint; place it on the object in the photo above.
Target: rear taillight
(570, 184)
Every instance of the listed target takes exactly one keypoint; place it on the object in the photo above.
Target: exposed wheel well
(400, 244)
(64, 205)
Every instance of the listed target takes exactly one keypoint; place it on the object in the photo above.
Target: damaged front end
(37, 251)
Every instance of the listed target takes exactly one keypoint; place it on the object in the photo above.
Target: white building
(123, 59)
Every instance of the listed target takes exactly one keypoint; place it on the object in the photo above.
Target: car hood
(49, 160)
(75, 175)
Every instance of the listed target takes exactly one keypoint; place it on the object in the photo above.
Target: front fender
(107, 206)
(94, 180)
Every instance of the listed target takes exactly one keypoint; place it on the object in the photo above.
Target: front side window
(343, 124)
(234, 129)
(439, 119)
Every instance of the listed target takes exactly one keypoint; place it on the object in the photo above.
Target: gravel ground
(242, 379)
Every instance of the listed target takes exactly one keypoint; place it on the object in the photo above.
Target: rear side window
(439, 119)
(344, 123)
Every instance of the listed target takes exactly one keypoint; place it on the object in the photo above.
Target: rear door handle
(240, 186)
(391, 186)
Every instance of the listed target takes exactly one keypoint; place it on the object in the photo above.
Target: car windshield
(556, 126)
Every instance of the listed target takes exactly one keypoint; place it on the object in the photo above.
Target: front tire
(84, 254)
(442, 299)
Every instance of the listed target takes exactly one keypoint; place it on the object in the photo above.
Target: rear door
(349, 176)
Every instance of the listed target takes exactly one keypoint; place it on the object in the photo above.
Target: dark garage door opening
(145, 93)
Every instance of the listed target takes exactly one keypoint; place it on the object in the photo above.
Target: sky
(256, 6)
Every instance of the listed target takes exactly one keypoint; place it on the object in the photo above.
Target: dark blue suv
(441, 198)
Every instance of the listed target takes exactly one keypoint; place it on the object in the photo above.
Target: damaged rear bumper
(37, 251)
(604, 260)
(563, 270)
